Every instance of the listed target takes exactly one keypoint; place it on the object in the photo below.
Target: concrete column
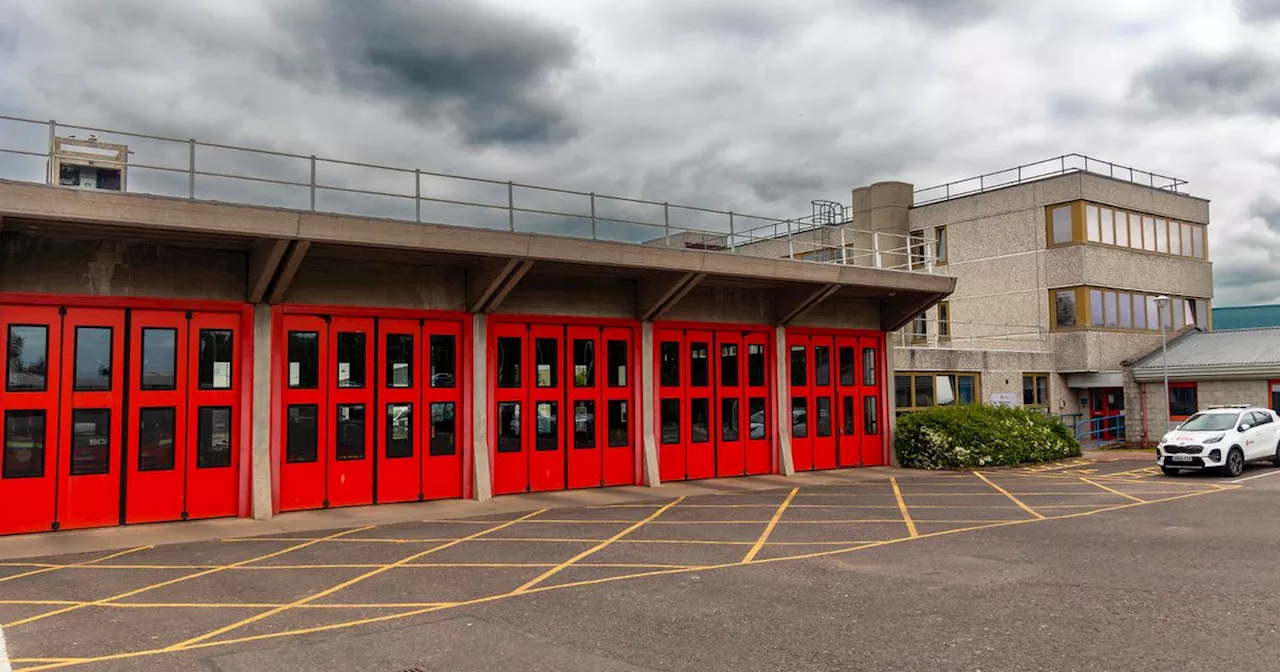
(781, 390)
(261, 455)
(648, 406)
(483, 489)
(890, 399)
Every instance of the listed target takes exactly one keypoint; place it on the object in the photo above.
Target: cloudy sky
(750, 105)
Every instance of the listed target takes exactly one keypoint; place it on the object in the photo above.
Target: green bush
(980, 436)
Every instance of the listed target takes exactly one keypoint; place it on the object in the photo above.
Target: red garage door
(714, 414)
(111, 405)
(563, 397)
(835, 398)
(371, 407)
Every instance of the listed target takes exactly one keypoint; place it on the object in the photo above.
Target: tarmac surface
(1094, 563)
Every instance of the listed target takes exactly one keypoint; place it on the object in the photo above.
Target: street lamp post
(1162, 304)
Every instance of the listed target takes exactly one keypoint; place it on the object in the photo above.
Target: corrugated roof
(1198, 349)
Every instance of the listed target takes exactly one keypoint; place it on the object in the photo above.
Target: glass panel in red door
(350, 478)
(758, 430)
(214, 379)
(29, 401)
(870, 375)
(848, 362)
(442, 404)
(798, 369)
(509, 367)
(90, 447)
(545, 441)
(156, 460)
(398, 454)
(671, 418)
(583, 380)
(700, 458)
(617, 429)
(730, 428)
(305, 415)
(822, 429)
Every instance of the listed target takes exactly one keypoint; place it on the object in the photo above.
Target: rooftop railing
(1030, 172)
(208, 171)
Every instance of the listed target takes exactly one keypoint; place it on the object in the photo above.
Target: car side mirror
(1244, 427)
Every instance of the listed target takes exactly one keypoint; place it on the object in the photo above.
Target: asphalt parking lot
(1083, 564)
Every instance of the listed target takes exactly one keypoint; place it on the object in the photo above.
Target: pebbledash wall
(316, 297)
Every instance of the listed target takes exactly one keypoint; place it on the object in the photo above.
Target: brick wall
(1208, 393)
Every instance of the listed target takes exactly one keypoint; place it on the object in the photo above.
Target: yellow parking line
(902, 506)
(773, 522)
(1006, 493)
(598, 547)
(1112, 490)
(51, 568)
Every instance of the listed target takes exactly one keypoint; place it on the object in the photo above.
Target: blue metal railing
(1101, 431)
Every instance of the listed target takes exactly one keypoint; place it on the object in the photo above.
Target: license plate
(1180, 458)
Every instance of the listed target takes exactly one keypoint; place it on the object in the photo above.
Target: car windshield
(1210, 422)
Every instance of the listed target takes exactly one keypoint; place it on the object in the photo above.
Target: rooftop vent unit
(89, 164)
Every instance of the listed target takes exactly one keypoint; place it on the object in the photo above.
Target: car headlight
(1215, 438)
(1165, 438)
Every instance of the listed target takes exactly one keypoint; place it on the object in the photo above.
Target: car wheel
(1276, 460)
(1171, 471)
(1235, 463)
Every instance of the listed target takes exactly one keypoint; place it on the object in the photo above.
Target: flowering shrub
(980, 436)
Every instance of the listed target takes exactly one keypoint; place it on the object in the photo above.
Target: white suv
(1221, 437)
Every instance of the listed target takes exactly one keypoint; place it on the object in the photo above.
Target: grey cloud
(1240, 82)
(1259, 10)
(938, 13)
(1267, 209)
(488, 73)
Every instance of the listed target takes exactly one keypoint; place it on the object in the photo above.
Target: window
(870, 416)
(509, 362)
(1064, 308)
(546, 353)
(756, 418)
(547, 434)
(729, 419)
(399, 431)
(944, 320)
(508, 427)
(670, 364)
(920, 328)
(799, 366)
(301, 434)
(213, 437)
(24, 441)
(444, 361)
(699, 420)
(444, 428)
(823, 407)
(351, 360)
(304, 360)
(799, 419)
(584, 363)
(350, 440)
(1126, 310)
(90, 441)
(670, 412)
(940, 244)
(1111, 312)
(699, 366)
(619, 434)
(916, 391)
(216, 350)
(848, 368)
(728, 365)
(1183, 402)
(1063, 231)
(821, 365)
(1080, 222)
(869, 367)
(617, 374)
(28, 359)
(399, 361)
(93, 359)
(584, 424)
(847, 419)
(157, 446)
(159, 359)
(755, 365)
(1035, 390)
(917, 243)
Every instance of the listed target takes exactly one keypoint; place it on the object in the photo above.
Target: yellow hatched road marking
(1112, 490)
(902, 507)
(773, 522)
(50, 568)
(1006, 493)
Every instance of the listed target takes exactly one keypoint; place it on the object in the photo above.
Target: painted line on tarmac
(1250, 478)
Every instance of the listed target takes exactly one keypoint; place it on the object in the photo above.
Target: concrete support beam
(790, 305)
(264, 261)
(261, 462)
(888, 399)
(490, 283)
(896, 311)
(656, 297)
(292, 261)
(782, 391)
(480, 473)
(648, 407)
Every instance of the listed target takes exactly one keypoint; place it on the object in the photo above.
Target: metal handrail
(1039, 170)
(1093, 429)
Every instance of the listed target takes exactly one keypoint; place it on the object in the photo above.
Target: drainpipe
(1143, 387)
